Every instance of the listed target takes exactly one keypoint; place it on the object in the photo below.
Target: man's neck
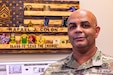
(82, 57)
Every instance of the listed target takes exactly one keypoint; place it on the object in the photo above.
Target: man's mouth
(79, 38)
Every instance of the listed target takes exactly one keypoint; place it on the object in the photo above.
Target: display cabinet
(35, 26)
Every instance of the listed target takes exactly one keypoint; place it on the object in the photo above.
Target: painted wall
(104, 13)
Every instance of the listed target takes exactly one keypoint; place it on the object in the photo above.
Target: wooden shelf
(46, 13)
(41, 21)
(35, 51)
(32, 29)
(41, 5)
(34, 46)
(43, 42)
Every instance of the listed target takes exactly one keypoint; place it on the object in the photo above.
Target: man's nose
(78, 29)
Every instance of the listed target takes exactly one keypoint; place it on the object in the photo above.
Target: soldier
(85, 58)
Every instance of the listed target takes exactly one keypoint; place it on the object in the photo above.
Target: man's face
(82, 30)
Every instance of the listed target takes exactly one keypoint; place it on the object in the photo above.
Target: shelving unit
(27, 19)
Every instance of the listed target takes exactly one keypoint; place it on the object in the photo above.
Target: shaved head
(82, 13)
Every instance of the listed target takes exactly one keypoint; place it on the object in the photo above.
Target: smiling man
(85, 58)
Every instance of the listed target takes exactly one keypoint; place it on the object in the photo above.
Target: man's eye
(85, 25)
(72, 27)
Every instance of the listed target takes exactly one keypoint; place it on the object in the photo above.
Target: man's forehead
(78, 19)
(81, 13)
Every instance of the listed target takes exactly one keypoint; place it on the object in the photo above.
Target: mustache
(79, 36)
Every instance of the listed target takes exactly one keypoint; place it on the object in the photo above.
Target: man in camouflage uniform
(85, 58)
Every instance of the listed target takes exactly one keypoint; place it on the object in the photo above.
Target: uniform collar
(96, 60)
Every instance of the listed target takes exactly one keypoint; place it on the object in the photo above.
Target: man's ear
(97, 31)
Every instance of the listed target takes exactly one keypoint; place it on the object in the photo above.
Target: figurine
(4, 38)
(40, 40)
(30, 24)
(46, 8)
(24, 39)
(46, 21)
(28, 7)
(72, 9)
(12, 39)
(64, 21)
(32, 39)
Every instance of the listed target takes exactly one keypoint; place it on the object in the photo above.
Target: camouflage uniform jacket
(99, 64)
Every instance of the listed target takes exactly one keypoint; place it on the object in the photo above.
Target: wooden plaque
(35, 26)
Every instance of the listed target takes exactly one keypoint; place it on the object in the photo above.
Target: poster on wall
(35, 26)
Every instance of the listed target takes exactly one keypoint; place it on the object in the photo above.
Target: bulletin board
(35, 26)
